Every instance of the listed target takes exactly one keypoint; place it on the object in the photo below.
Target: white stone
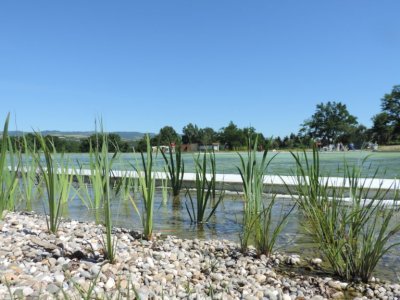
(150, 262)
(59, 278)
(110, 283)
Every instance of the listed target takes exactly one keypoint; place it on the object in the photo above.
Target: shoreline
(38, 265)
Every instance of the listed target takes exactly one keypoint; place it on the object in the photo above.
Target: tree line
(331, 123)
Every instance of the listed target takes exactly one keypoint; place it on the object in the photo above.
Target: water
(172, 218)
(332, 163)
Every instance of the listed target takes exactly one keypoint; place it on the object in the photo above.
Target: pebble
(110, 283)
(38, 264)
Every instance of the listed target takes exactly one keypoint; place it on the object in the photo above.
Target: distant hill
(125, 135)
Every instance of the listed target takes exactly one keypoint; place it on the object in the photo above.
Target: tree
(331, 122)
(391, 107)
(166, 136)
(207, 135)
(232, 136)
(115, 143)
(381, 129)
(191, 134)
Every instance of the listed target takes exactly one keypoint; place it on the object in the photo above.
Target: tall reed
(91, 186)
(176, 169)
(258, 222)
(198, 213)
(31, 184)
(8, 177)
(57, 181)
(164, 189)
(103, 166)
(147, 188)
(213, 167)
(352, 233)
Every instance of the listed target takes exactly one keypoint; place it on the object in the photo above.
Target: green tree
(191, 134)
(115, 143)
(381, 129)
(331, 122)
(166, 136)
(207, 136)
(391, 108)
(232, 136)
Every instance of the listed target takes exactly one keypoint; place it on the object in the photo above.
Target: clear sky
(145, 64)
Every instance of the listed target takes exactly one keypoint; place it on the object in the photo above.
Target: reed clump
(103, 166)
(353, 233)
(8, 176)
(58, 181)
(201, 212)
(176, 169)
(147, 187)
(258, 223)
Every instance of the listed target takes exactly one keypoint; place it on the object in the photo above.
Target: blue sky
(145, 64)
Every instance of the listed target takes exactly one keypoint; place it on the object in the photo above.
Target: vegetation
(204, 192)
(352, 236)
(31, 183)
(176, 169)
(8, 178)
(147, 188)
(58, 182)
(331, 123)
(257, 222)
(386, 124)
(104, 164)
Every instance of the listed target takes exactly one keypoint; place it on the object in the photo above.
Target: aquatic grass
(31, 183)
(213, 167)
(252, 173)
(58, 181)
(147, 188)
(164, 189)
(176, 169)
(198, 213)
(267, 229)
(127, 191)
(8, 176)
(91, 186)
(103, 166)
(353, 234)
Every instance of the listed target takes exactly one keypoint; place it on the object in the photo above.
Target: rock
(338, 295)
(293, 260)
(52, 288)
(335, 285)
(27, 291)
(271, 294)
(94, 270)
(59, 278)
(260, 278)
(217, 276)
(150, 262)
(286, 297)
(316, 262)
(44, 244)
(110, 283)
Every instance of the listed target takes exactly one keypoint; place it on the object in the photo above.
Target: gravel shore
(37, 265)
